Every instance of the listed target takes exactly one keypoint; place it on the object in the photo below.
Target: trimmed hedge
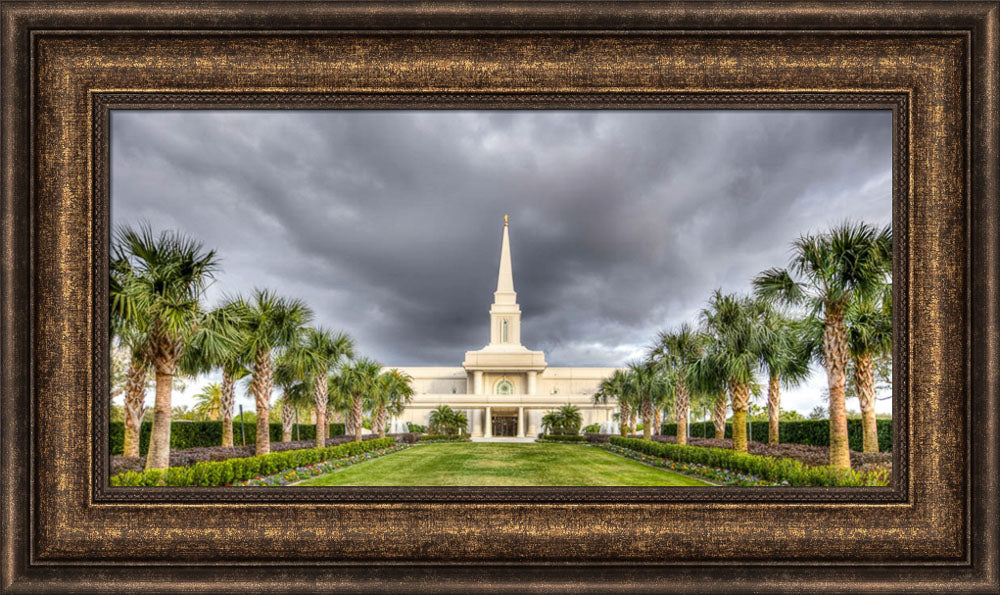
(562, 438)
(813, 432)
(189, 434)
(444, 438)
(768, 468)
(220, 473)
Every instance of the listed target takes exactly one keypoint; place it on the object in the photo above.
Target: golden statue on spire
(505, 220)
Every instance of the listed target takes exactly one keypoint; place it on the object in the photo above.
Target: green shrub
(191, 434)
(768, 468)
(592, 429)
(220, 473)
(562, 438)
(415, 428)
(444, 438)
(813, 432)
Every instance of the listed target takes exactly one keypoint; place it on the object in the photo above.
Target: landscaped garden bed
(200, 454)
(756, 469)
(238, 470)
(813, 456)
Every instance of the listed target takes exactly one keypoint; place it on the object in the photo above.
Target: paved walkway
(508, 439)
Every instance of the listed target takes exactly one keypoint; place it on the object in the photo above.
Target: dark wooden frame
(935, 64)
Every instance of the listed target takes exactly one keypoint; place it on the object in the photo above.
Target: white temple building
(505, 388)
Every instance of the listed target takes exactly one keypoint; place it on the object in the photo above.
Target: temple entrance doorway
(504, 425)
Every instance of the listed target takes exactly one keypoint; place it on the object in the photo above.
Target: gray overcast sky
(387, 223)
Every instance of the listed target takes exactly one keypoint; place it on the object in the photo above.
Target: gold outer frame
(61, 532)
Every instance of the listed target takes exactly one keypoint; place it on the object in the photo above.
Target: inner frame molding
(62, 530)
(104, 102)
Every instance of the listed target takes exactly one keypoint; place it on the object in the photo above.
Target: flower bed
(774, 471)
(228, 472)
(322, 468)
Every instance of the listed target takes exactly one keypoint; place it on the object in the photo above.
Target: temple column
(477, 382)
(532, 382)
(487, 422)
(520, 422)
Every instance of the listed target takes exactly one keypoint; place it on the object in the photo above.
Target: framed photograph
(533, 297)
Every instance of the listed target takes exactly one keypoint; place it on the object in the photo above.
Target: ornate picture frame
(66, 65)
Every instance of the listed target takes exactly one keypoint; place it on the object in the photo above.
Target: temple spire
(505, 276)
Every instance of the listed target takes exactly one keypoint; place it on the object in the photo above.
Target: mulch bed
(190, 456)
(809, 455)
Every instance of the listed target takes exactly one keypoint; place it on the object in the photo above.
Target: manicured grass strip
(778, 471)
(220, 473)
(498, 464)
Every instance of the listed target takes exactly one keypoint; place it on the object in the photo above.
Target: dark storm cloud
(388, 223)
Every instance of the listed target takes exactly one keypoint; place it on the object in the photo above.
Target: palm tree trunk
(741, 402)
(647, 417)
(623, 416)
(287, 419)
(836, 355)
(357, 416)
(681, 406)
(773, 408)
(719, 416)
(135, 395)
(320, 398)
(261, 385)
(227, 402)
(158, 456)
(657, 421)
(864, 384)
(380, 421)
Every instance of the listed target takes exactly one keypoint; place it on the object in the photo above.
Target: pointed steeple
(505, 276)
(505, 352)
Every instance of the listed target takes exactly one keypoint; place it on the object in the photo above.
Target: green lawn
(492, 464)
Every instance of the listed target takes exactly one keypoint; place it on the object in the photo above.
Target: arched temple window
(504, 387)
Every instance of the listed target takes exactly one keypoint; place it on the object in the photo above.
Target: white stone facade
(505, 388)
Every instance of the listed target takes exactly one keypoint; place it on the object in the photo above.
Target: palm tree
(676, 351)
(226, 319)
(709, 381)
(869, 336)
(646, 385)
(208, 403)
(158, 288)
(445, 420)
(360, 379)
(289, 379)
(735, 322)
(133, 345)
(786, 358)
(393, 392)
(294, 397)
(826, 272)
(318, 352)
(136, 379)
(613, 387)
(270, 323)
